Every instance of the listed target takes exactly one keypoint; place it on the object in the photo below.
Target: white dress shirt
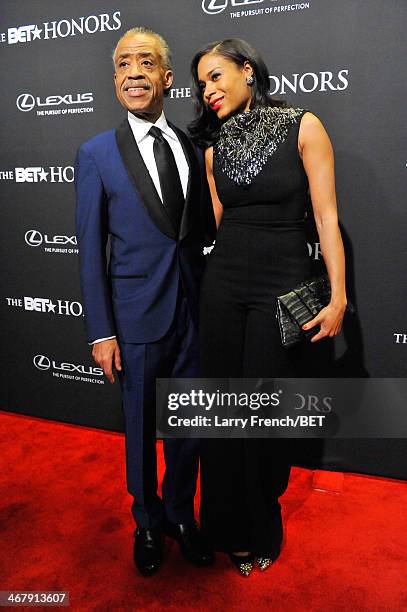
(145, 142)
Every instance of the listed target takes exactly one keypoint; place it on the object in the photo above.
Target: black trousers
(242, 479)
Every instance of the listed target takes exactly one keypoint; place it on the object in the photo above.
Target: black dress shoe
(191, 542)
(148, 549)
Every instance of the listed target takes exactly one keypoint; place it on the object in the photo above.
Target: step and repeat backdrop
(342, 59)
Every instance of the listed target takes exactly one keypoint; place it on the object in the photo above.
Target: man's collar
(140, 127)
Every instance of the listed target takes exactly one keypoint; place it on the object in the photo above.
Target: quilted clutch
(299, 306)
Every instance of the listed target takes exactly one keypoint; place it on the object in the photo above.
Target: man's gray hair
(165, 50)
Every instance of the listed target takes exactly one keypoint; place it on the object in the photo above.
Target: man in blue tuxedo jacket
(144, 186)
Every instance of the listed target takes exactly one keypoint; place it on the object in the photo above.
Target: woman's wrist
(339, 303)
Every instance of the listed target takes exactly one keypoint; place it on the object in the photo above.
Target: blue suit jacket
(133, 295)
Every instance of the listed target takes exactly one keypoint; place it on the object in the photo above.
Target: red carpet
(65, 524)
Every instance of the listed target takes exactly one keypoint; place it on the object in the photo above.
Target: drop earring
(250, 80)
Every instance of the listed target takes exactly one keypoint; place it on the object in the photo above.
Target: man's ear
(168, 79)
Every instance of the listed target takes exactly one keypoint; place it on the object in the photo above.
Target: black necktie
(170, 182)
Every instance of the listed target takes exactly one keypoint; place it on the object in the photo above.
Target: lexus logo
(33, 238)
(211, 7)
(41, 362)
(25, 102)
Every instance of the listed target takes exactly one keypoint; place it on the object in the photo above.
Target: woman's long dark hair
(204, 129)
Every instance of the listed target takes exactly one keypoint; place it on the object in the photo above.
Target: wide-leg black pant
(242, 479)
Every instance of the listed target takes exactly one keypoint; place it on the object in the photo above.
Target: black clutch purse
(299, 306)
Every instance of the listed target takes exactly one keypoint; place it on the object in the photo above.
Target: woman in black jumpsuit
(260, 191)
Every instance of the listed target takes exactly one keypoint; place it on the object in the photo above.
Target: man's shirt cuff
(101, 340)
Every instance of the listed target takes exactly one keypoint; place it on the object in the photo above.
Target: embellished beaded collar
(248, 139)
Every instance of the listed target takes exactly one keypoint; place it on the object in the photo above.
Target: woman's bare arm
(317, 156)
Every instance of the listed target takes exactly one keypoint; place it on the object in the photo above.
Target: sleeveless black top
(256, 162)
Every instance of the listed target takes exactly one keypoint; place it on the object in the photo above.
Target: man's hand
(106, 353)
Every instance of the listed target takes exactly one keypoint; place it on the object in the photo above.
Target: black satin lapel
(142, 180)
(190, 214)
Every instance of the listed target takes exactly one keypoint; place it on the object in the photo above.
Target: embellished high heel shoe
(263, 562)
(244, 564)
